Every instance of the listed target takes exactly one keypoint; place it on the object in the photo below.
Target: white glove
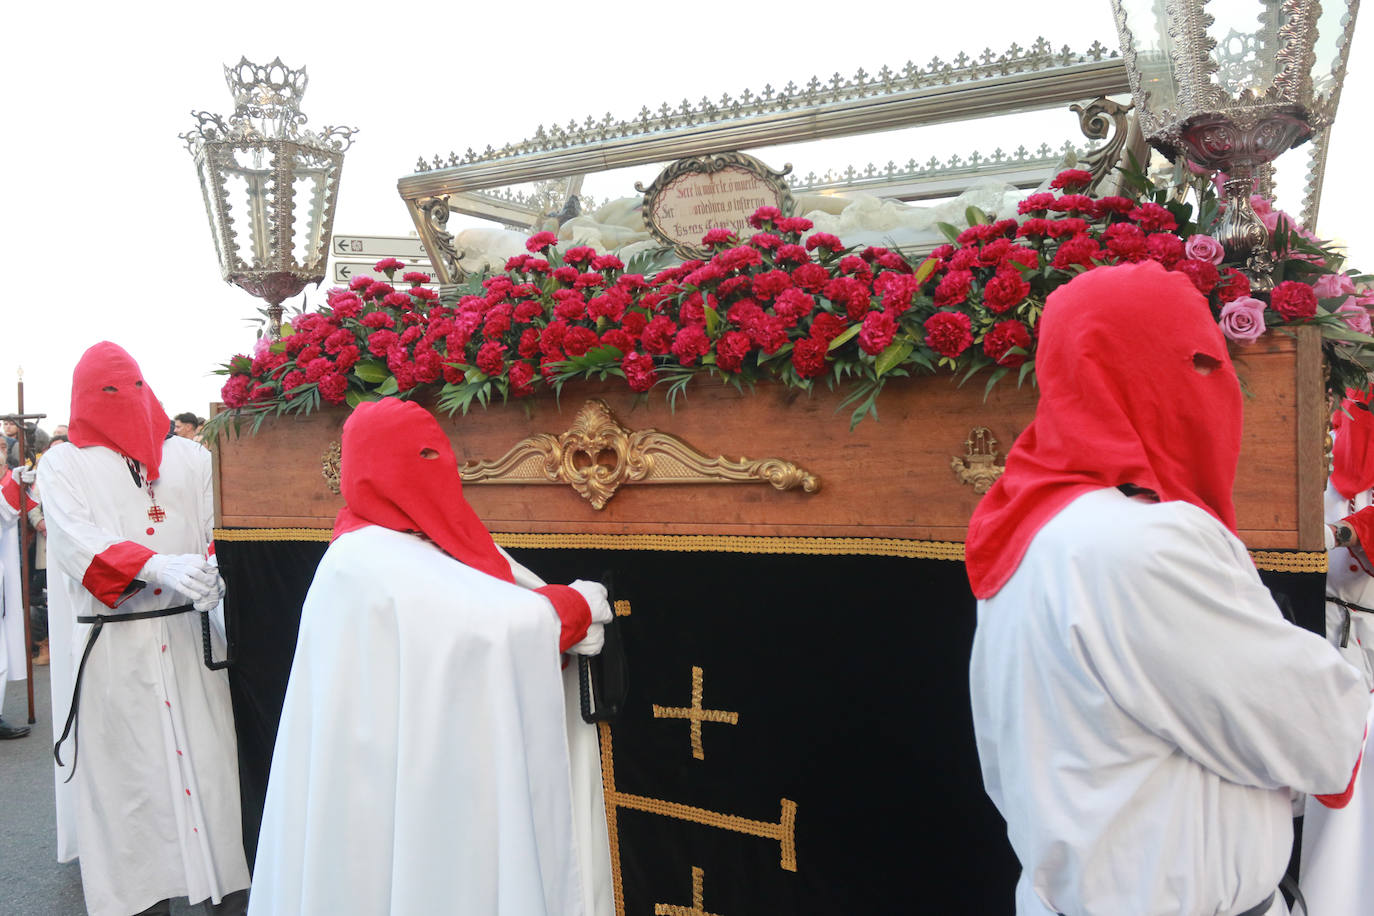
(188, 573)
(595, 595)
(26, 475)
(213, 598)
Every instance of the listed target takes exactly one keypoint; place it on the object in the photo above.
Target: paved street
(32, 882)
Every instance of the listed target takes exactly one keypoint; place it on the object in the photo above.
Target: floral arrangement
(784, 304)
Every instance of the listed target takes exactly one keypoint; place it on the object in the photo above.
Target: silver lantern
(270, 184)
(1232, 84)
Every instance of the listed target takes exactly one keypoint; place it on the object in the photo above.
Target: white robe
(1337, 875)
(422, 761)
(13, 665)
(1142, 709)
(153, 810)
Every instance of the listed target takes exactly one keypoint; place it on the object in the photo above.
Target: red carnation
(579, 254)
(639, 371)
(658, 335)
(1204, 274)
(764, 215)
(1006, 289)
(1165, 247)
(1039, 202)
(949, 333)
(333, 388)
(808, 357)
(810, 277)
(388, 265)
(538, 242)
(718, 238)
(1079, 250)
(690, 344)
(1233, 286)
(731, 349)
(416, 277)
(347, 357)
(235, 391)
(824, 240)
(616, 337)
(290, 381)
(765, 240)
(954, 287)
(1003, 337)
(1072, 180)
(579, 340)
(1126, 242)
(826, 327)
(878, 330)
(521, 376)
(1294, 300)
(491, 358)
(607, 262)
(792, 254)
(1153, 218)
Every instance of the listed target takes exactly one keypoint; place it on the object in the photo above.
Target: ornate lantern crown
(270, 185)
(1232, 84)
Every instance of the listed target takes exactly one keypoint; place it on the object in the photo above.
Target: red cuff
(1363, 524)
(573, 611)
(1343, 799)
(9, 488)
(112, 571)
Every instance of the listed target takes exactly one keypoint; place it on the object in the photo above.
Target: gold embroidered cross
(696, 714)
(698, 900)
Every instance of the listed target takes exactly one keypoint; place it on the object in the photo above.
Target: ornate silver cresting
(270, 184)
(1232, 84)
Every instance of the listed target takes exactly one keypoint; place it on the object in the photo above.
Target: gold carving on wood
(596, 456)
(329, 467)
(978, 467)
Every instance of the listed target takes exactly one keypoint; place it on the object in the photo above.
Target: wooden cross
(698, 900)
(696, 714)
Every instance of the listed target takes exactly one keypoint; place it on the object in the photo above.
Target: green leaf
(846, 337)
(948, 231)
(993, 379)
(927, 268)
(371, 371)
(976, 216)
(389, 386)
(895, 354)
(712, 320)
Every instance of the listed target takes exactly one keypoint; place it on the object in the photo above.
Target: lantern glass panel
(312, 182)
(1329, 53)
(1246, 33)
(248, 192)
(207, 188)
(1154, 53)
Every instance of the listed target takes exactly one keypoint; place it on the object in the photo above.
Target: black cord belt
(1347, 606)
(97, 623)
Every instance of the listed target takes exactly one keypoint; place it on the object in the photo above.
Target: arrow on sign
(379, 246)
(345, 271)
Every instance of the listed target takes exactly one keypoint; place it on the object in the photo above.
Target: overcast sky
(104, 230)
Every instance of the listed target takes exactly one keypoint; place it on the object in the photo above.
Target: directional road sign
(361, 247)
(345, 271)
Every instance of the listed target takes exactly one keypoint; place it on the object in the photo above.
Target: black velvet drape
(849, 680)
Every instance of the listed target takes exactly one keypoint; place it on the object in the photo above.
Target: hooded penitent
(1136, 387)
(113, 406)
(398, 471)
(1352, 457)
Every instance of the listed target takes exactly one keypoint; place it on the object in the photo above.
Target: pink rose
(1355, 315)
(1329, 286)
(1242, 320)
(1204, 248)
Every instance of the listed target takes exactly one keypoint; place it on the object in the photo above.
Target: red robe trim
(573, 612)
(110, 576)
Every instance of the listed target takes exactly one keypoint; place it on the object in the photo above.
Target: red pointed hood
(1352, 457)
(1122, 401)
(398, 471)
(113, 406)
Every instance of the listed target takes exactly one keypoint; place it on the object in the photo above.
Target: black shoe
(12, 731)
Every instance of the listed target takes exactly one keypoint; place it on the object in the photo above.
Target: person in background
(1143, 712)
(152, 808)
(12, 667)
(1337, 844)
(185, 425)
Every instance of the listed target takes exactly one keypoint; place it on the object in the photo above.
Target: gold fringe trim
(273, 534)
(1299, 561)
(612, 829)
(729, 543)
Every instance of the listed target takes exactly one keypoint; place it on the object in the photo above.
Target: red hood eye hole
(429, 454)
(110, 388)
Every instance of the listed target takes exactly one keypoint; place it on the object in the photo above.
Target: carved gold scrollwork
(329, 467)
(596, 456)
(978, 467)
